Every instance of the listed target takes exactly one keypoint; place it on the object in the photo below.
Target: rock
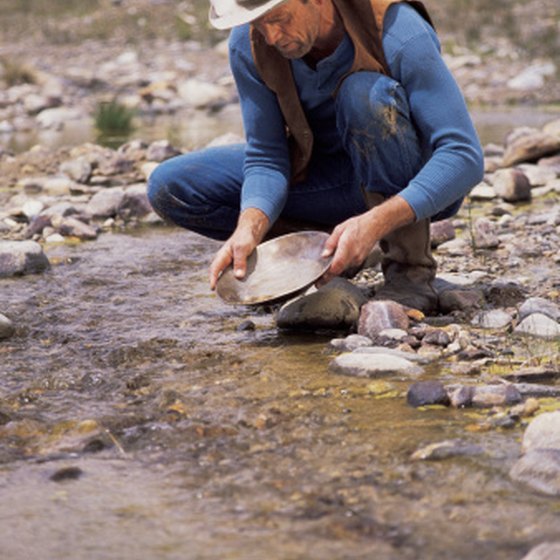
(7, 328)
(505, 293)
(445, 450)
(539, 305)
(200, 94)
(461, 397)
(538, 175)
(512, 185)
(334, 306)
(21, 257)
(537, 390)
(537, 373)
(427, 392)
(441, 231)
(105, 203)
(483, 191)
(377, 316)
(532, 77)
(539, 325)
(373, 365)
(57, 117)
(78, 169)
(72, 227)
(545, 551)
(458, 299)
(411, 356)
(160, 150)
(495, 395)
(543, 432)
(436, 337)
(135, 203)
(540, 470)
(351, 342)
(393, 334)
(493, 319)
(528, 145)
(32, 208)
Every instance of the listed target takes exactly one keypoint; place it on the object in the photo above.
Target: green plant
(112, 118)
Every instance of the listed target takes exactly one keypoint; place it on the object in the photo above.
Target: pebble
(493, 319)
(373, 365)
(424, 393)
(376, 316)
(540, 325)
(539, 305)
(351, 342)
(544, 551)
(7, 328)
(21, 257)
(511, 185)
(445, 450)
(543, 432)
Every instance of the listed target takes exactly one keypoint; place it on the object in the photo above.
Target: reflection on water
(193, 130)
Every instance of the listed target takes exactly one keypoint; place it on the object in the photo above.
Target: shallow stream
(138, 419)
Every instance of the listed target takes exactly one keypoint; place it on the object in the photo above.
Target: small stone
(543, 432)
(485, 234)
(373, 365)
(160, 150)
(425, 393)
(78, 169)
(539, 305)
(246, 325)
(545, 551)
(437, 337)
(446, 449)
(511, 185)
(462, 397)
(440, 232)
(493, 319)
(528, 145)
(67, 473)
(495, 395)
(540, 470)
(21, 257)
(351, 342)
(539, 325)
(105, 203)
(376, 316)
(72, 227)
(7, 328)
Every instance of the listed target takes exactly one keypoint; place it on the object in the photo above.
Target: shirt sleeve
(267, 162)
(455, 161)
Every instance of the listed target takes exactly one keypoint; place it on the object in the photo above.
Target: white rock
(532, 77)
(543, 432)
(493, 319)
(57, 117)
(200, 94)
(373, 365)
(539, 325)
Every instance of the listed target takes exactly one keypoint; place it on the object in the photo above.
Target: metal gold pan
(277, 268)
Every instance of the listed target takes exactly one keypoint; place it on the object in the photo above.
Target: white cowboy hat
(229, 13)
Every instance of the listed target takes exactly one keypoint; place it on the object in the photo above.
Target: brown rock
(375, 316)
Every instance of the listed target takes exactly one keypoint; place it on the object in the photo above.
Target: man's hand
(352, 240)
(250, 231)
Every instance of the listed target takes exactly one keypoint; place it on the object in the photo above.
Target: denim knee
(158, 187)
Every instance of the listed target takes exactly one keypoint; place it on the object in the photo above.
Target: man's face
(291, 27)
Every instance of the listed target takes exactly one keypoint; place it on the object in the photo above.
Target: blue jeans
(201, 191)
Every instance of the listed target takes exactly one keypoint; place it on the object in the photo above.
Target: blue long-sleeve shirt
(454, 160)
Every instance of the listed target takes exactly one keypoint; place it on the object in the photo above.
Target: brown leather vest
(363, 21)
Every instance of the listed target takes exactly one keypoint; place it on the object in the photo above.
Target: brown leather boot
(408, 266)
